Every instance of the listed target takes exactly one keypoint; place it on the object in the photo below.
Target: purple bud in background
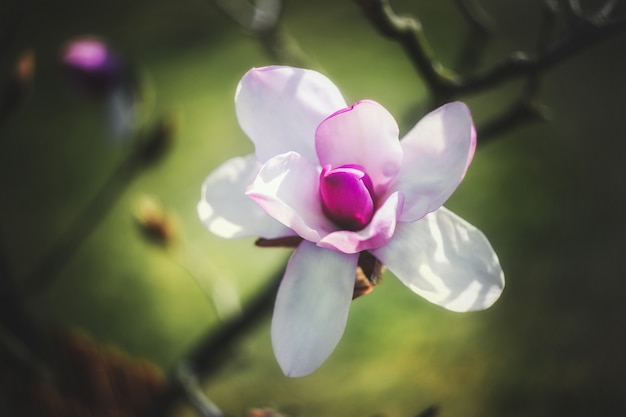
(100, 72)
(93, 66)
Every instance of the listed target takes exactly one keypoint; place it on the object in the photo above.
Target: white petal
(437, 152)
(312, 307)
(279, 109)
(287, 188)
(227, 211)
(446, 260)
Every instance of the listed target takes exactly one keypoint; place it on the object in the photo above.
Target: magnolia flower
(336, 179)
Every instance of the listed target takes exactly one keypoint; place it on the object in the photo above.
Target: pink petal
(312, 307)
(227, 211)
(377, 233)
(437, 152)
(445, 260)
(365, 134)
(287, 188)
(279, 109)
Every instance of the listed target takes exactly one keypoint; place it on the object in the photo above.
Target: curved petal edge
(280, 107)
(311, 309)
(437, 153)
(446, 260)
(227, 212)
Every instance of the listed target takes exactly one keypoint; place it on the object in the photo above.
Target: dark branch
(408, 32)
(521, 112)
(196, 396)
(477, 16)
(445, 83)
(211, 353)
(519, 64)
(602, 15)
(480, 32)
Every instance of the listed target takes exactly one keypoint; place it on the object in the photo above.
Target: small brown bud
(25, 68)
(17, 89)
(156, 225)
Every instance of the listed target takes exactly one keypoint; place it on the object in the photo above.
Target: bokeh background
(550, 196)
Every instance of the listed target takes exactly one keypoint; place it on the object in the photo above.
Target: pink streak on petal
(472, 149)
(376, 234)
(365, 134)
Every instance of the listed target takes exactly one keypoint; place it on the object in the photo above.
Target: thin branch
(575, 8)
(262, 20)
(408, 32)
(260, 17)
(523, 111)
(547, 28)
(196, 396)
(480, 31)
(211, 353)
(430, 411)
(603, 14)
(476, 15)
(445, 83)
(18, 332)
(519, 64)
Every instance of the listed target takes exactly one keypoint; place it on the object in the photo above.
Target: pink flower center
(347, 195)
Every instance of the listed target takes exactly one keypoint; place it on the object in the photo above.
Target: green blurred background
(550, 196)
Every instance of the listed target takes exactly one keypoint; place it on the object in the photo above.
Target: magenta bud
(347, 196)
(93, 66)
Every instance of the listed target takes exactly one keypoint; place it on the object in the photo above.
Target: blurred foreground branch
(213, 351)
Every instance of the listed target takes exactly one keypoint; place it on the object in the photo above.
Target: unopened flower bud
(156, 225)
(347, 196)
(93, 65)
